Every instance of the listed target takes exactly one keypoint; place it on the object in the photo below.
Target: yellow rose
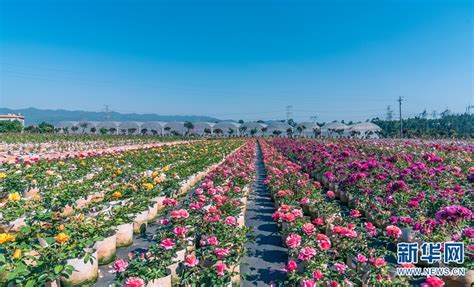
(147, 185)
(117, 194)
(61, 227)
(3, 175)
(166, 168)
(83, 163)
(61, 237)
(15, 196)
(5, 237)
(17, 254)
(61, 163)
(49, 172)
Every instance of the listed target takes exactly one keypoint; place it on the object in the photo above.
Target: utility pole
(434, 114)
(400, 100)
(389, 113)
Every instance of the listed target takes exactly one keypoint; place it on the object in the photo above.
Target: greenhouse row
(270, 128)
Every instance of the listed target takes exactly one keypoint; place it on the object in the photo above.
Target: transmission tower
(289, 113)
(389, 113)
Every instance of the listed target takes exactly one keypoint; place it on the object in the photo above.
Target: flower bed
(395, 192)
(201, 239)
(126, 186)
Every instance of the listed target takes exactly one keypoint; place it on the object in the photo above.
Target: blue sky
(238, 59)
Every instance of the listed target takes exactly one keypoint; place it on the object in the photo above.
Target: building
(13, 117)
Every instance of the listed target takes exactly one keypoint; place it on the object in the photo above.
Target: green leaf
(58, 269)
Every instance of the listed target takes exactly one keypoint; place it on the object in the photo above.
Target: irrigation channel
(265, 262)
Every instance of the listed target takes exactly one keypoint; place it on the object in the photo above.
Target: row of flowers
(327, 241)
(424, 189)
(200, 240)
(85, 208)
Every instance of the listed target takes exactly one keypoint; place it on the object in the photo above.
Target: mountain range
(35, 116)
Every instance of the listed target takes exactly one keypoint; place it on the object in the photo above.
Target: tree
(253, 132)
(144, 131)
(264, 130)
(276, 133)
(242, 130)
(113, 130)
(289, 132)
(291, 122)
(218, 132)
(316, 132)
(241, 121)
(93, 130)
(154, 132)
(83, 126)
(103, 131)
(45, 128)
(207, 131)
(11, 126)
(74, 129)
(230, 131)
(131, 131)
(188, 126)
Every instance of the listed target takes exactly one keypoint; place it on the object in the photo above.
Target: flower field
(341, 207)
(344, 205)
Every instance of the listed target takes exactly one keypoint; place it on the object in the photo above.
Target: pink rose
(317, 274)
(230, 220)
(134, 282)
(167, 243)
(220, 268)
(212, 241)
(308, 228)
(120, 265)
(180, 231)
(308, 283)
(331, 194)
(355, 213)
(393, 231)
(291, 266)
(433, 282)
(221, 252)
(179, 214)
(340, 267)
(293, 241)
(191, 261)
(361, 258)
(306, 253)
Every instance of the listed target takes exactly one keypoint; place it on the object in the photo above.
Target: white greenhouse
(108, 126)
(365, 130)
(202, 128)
(129, 128)
(152, 128)
(226, 129)
(334, 130)
(279, 129)
(174, 127)
(252, 129)
(307, 129)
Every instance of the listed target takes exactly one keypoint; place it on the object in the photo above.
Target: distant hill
(35, 116)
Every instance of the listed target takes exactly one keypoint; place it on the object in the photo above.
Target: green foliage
(10, 126)
(448, 126)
